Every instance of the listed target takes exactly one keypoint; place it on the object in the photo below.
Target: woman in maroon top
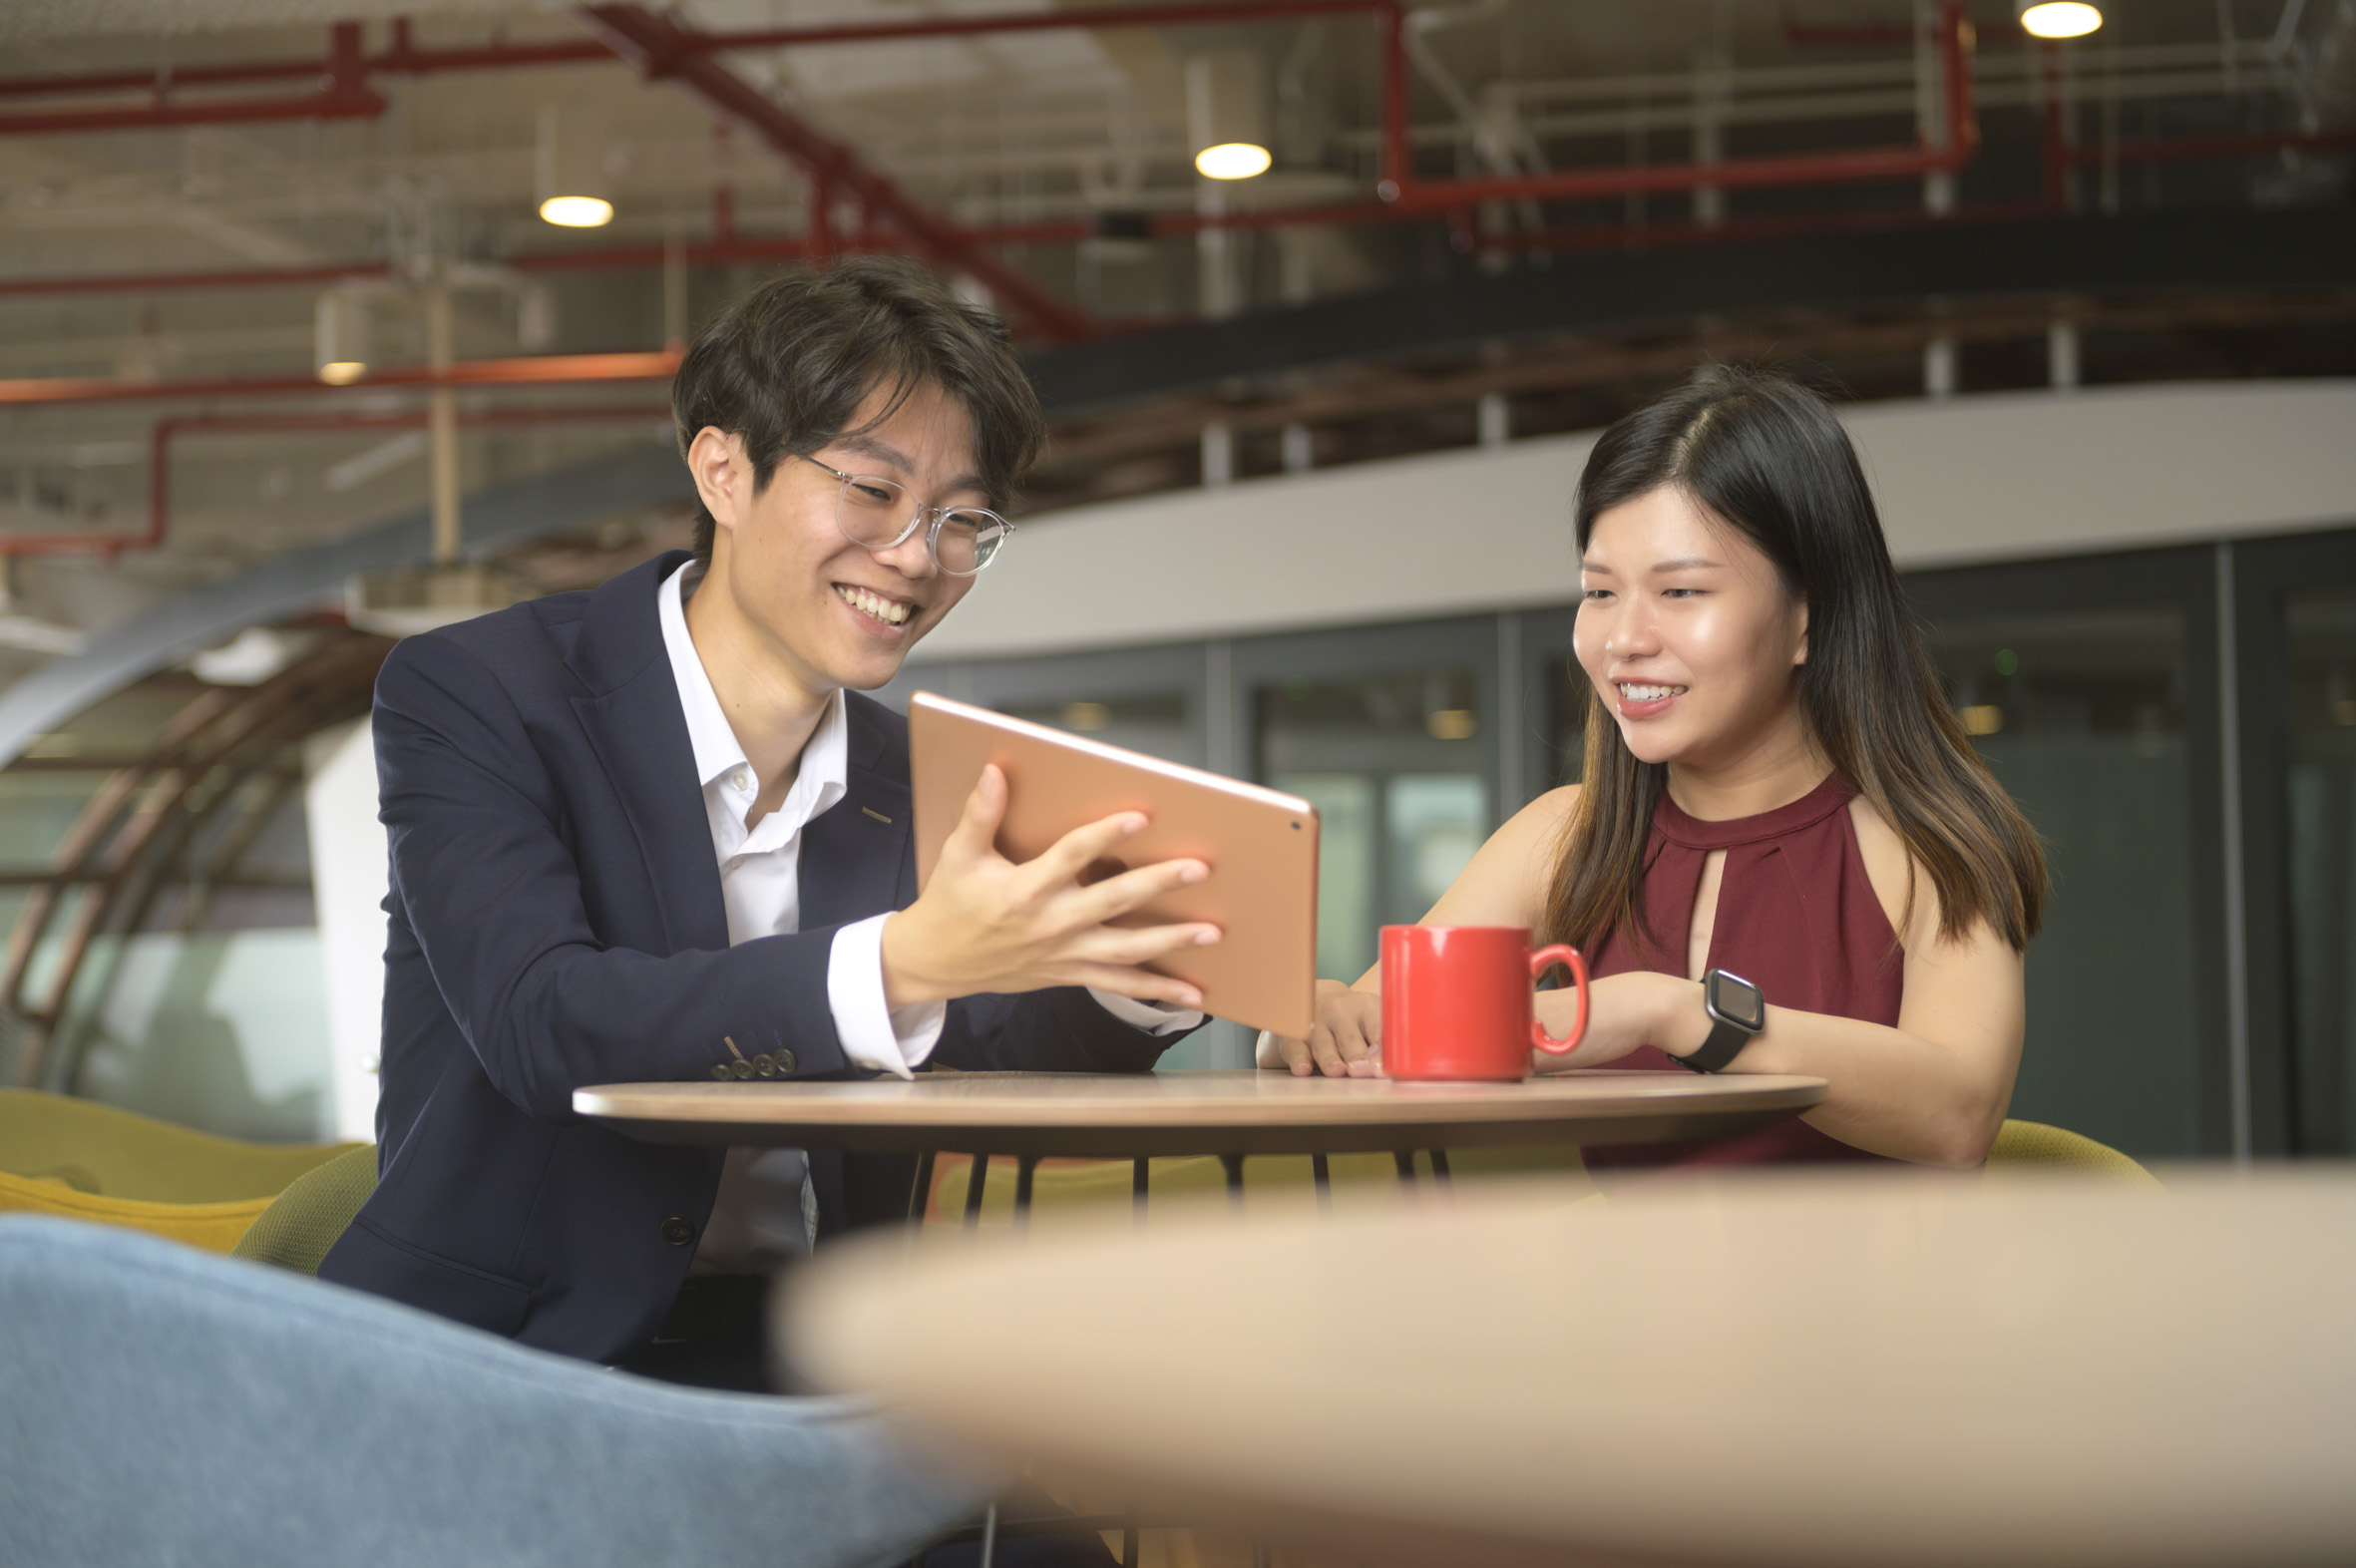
(1775, 787)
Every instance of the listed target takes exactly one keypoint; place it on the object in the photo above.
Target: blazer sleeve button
(677, 1231)
(720, 1071)
(742, 1069)
(765, 1067)
(784, 1060)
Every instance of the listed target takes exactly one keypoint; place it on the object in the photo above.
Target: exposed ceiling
(1056, 162)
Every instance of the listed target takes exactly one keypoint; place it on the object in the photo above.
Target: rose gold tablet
(1261, 846)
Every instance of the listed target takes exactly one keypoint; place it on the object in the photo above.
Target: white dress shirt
(762, 1206)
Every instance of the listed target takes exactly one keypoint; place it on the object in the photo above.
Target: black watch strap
(1730, 1031)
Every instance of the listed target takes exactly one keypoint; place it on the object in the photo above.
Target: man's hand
(1347, 1040)
(986, 923)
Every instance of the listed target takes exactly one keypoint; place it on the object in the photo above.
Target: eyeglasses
(877, 514)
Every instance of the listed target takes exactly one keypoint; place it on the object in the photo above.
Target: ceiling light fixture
(569, 167)
(339, 337)
(1231, 161)
(2057, 18)
(1227, 114)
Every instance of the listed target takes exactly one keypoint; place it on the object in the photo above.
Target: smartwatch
(1737, 1012)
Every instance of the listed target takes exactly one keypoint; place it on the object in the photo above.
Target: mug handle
(1542, 961)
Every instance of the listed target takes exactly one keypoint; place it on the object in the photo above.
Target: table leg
(989, 1520)
(1130, 1541)
(1405, 1159)
(1439, 1165)
(1234, 1178)
(1138, 1172)
(920, 1192)
(1024, 1164)
(1322, 1175)
(975, 1180)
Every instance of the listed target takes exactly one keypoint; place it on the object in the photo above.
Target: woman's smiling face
(1689, 633)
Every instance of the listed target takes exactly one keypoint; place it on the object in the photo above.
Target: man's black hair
(787, 367)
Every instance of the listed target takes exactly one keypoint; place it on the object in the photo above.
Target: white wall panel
(1959, 479)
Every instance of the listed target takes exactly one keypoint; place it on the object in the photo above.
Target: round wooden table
(1126, 1115)
(1856, 1370)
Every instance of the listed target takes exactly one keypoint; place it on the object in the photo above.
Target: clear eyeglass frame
(989, 531)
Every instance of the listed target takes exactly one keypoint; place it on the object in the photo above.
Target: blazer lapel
(854, 854)
(639, 731)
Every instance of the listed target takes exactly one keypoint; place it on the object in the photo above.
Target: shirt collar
(824, 775)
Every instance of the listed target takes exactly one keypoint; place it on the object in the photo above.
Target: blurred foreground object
(1767, 1370)
(273, 1421)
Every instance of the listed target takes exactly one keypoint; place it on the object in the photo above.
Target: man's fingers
(1294, 1055)
(1115, 945)
(977, 831)
(1120, 895)
(1143, 984)
(1083, 846)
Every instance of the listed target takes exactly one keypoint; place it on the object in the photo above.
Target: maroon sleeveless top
(1796, 917)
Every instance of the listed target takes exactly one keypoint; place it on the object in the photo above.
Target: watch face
(1738, 1000)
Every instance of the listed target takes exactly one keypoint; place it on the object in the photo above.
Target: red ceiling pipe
(2190, 148)
(142, 283)
(1639, 236)
(662, 48)
(537, 370)
(160, 463)
(1398, 157)
(344, 95)
(403, 58)
(2057, 132)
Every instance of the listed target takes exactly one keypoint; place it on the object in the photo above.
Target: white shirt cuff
(1151, 1016)
(873, 1036)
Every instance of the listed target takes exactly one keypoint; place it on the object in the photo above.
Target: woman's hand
(1624, 1012)
(1346, 1041)
(986, 923)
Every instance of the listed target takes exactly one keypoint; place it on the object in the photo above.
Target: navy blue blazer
(555, 922)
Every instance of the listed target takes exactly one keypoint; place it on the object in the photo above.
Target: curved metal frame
(146, 830)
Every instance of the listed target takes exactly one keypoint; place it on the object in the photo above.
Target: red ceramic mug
(1456, 1000)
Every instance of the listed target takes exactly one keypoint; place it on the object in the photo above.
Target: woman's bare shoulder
(1890, 867)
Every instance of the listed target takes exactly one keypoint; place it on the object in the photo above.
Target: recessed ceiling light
(1231, 161)
(2059, 18)
(577, 212)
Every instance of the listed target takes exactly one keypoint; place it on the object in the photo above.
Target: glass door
(2090, 688)
(1393, 733)
(2296, 605)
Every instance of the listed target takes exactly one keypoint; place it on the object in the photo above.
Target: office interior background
(297, 357)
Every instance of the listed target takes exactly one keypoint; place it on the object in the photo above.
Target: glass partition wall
(2194, 993)
(2090, 689)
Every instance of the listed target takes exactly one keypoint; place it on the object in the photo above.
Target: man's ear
(723, 478)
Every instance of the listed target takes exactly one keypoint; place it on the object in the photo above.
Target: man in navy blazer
(582, 894)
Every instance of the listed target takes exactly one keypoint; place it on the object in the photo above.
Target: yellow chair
(85, 1161)
(302, 1222)
(2026, 1146)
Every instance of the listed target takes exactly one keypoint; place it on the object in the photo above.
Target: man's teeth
(1633, 693)
(889, 611)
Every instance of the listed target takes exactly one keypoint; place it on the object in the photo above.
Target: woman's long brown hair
(1764, 455)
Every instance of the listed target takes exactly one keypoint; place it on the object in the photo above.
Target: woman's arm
(1934, 1089)
(1505, 885)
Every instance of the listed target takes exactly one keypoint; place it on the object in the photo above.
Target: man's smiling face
(835, 613)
